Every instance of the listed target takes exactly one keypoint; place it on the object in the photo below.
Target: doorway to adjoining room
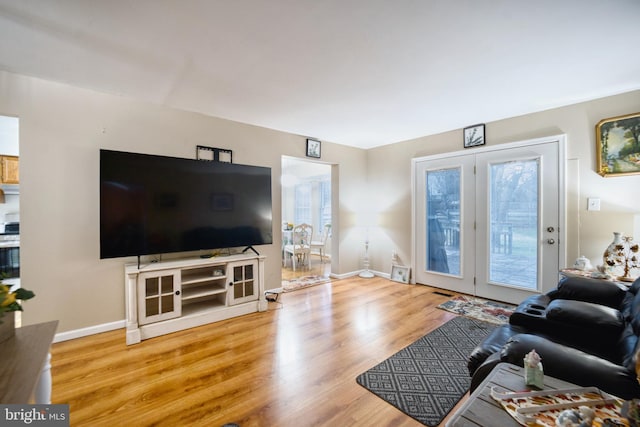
(306, 219)
(10, 204)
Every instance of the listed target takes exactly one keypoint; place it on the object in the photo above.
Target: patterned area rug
(426, 379)
(478, 308)
(303, 282)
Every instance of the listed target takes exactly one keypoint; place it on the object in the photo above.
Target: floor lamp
(367, 274)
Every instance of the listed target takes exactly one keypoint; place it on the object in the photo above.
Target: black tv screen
(155, 204)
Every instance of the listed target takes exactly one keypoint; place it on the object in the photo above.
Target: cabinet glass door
(159, 296)
(243, 283)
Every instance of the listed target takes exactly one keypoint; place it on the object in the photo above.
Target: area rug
(426, 379)
(478, 308)
(303, 282)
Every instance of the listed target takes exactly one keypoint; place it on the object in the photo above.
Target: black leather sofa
(586, 332)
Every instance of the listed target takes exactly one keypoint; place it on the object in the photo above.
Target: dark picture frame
(618, 145)
(473, 136)
(313, 148)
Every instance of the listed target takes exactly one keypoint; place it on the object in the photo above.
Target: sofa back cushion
(585, 289)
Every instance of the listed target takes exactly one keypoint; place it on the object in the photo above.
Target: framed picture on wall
(617, 146)
(313, 148)
(474, 136)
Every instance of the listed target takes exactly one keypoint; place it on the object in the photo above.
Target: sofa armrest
(491, 344)
(590, 290)
(572, 365)
(483, 370)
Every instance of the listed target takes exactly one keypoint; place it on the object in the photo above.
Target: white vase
(611, 255)
(7, 327)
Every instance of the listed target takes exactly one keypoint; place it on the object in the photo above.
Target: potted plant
(9, 302)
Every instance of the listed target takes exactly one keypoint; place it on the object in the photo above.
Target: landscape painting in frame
(618, 145)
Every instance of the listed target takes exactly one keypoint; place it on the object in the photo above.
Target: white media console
(170, 296)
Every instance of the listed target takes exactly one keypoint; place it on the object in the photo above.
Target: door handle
(551, 241)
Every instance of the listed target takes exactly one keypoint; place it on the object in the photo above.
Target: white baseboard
(355, 273)
(91, 330)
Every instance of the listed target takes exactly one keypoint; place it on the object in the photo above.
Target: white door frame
(562, 232)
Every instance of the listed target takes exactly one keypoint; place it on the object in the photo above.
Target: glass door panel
(517, 253)
(445, 239)
(513, 227)
(443, 221)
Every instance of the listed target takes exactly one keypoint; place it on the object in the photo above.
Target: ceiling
(356, 72)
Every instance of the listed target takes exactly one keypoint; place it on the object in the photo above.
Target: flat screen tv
(155, 205)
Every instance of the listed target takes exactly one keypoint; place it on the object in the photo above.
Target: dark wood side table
(25, 364)
(482, 410)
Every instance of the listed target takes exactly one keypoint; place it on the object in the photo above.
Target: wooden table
(482, 410)
(25, 364)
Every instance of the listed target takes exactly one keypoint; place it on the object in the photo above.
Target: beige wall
(589, 233)
(62, 129)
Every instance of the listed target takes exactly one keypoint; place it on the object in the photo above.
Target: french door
(487, 223)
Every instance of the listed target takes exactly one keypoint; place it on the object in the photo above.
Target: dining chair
(300, 249)
(320, 245)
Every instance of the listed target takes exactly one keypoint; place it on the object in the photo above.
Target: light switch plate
(593, 204)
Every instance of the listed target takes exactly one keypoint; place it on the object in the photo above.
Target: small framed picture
(313, 148)
(474, 136)
(400, 273)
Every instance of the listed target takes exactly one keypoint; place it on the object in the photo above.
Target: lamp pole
(367, 274)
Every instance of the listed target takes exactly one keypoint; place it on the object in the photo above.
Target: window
(313, 202)
(302, 211)
(325, 203)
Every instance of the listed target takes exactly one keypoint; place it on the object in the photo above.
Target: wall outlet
(593, 204)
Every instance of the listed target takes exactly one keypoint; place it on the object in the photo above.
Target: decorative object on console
(583, 416)
(570, 407)
(616, 149)
(313, 148)
(621, 258)
(533, 371)
(474, 136)
(583, 264)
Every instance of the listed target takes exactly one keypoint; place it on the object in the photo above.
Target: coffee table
(482, 410)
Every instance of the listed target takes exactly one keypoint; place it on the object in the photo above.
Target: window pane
(443, 221)
(302, 213)
(513, 231)
(325, 204)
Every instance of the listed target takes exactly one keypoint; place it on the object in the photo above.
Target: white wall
(62, 129)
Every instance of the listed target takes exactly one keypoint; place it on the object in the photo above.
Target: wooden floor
(294, 365)
(317, 268)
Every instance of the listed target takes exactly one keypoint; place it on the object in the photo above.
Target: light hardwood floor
(317, 268)
(294, 365)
